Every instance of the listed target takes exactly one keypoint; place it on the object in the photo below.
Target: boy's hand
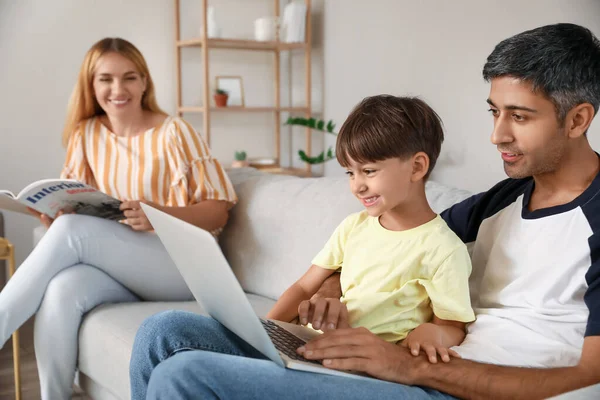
(324, 313)
(429, 338)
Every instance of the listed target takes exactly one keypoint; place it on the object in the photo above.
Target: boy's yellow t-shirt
(394, 281)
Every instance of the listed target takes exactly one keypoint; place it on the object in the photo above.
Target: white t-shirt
(535, 285)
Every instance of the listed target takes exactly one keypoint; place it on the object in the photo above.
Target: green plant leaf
(330, 126)
(316, 124)
(319, 159)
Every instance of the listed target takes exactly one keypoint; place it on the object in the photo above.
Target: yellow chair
(7, 252)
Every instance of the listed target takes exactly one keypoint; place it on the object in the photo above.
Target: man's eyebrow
(512, 107)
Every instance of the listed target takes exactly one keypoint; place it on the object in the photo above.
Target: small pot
(221, 100)
(240, 164)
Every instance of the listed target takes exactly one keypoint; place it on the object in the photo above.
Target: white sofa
(279, 224)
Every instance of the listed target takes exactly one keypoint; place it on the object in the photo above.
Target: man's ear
(578, 120)
(420, 164)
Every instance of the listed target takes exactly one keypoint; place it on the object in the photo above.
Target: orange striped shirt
(170, 165)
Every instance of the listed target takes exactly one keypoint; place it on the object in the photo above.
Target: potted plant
(221, 97)
(240, 160)
(318, 125)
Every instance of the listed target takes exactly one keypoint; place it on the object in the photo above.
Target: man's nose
(502, 132)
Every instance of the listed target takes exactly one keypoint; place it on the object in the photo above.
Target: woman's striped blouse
(170, 164)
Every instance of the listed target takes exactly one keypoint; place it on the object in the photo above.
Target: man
(536, 273)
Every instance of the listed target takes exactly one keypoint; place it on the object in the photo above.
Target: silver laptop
(207, 273)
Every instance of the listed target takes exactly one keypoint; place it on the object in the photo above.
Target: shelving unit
(205, 43)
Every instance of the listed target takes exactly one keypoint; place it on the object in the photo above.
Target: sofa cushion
(107, 333)
(281, 222)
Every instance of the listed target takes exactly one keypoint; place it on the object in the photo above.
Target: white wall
(431, 48)
(435, 49)
(42, 44)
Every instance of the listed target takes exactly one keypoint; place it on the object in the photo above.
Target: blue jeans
(222, 366)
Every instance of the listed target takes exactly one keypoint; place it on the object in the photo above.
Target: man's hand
(360, 350)
(323, 313)
(136, 217)
(429, 338)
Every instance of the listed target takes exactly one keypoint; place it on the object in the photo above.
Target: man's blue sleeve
(465, 217)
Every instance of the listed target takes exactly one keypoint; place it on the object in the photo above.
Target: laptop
(207, 273)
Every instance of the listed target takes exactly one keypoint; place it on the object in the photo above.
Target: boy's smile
(370, 201)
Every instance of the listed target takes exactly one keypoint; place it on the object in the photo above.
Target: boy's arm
(436, 337)
(286, 307)
(453, 332)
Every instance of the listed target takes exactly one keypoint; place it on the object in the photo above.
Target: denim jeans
(80, 263)
(181, 355)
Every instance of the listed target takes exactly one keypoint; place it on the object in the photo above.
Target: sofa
(279, 224)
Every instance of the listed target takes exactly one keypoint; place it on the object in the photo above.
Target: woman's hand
(44, 218)
(136, 217)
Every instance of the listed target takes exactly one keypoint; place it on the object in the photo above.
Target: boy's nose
(359, 187)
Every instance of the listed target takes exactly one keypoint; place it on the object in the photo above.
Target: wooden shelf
(240, 44)
(204, 43)
(244, 109)
(302, 172)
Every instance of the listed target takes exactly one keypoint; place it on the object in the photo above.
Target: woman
(120, 142)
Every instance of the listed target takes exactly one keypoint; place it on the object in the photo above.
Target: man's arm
(360, 350)
(471, 380)
(331, 288)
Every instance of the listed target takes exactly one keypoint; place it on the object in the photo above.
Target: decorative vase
(212, 27)
(240, 164)
(221, 100)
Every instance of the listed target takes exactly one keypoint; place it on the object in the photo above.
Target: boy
(404, 273)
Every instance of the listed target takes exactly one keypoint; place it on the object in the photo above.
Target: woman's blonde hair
(83, 103)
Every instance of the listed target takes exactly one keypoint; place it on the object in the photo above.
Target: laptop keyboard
(285, 342)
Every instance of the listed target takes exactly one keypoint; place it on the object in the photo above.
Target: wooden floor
(30, 388)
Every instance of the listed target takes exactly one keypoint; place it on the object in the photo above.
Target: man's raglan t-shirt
(535, 284)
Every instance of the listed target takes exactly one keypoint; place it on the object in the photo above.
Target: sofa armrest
(3, 272)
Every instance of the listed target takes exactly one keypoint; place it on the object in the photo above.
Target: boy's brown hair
(385, 126)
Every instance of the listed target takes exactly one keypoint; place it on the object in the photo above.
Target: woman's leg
(70, 294)
(167, 333)
(137, 260)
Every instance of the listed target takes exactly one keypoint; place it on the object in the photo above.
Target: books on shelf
(49, 196)
(293, 24)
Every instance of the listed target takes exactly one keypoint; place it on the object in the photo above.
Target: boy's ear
(420, 163)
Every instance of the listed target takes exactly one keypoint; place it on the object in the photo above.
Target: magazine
(49, 196)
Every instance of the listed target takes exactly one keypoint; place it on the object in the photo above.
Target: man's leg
(207, 375)
(168, 333)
